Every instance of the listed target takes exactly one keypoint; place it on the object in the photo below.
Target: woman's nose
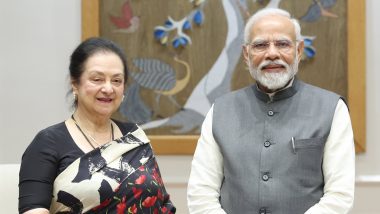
(107, 87)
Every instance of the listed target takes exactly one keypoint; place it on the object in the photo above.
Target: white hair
(270, 12)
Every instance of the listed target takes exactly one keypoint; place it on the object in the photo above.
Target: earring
(122, 99)
(75, 96)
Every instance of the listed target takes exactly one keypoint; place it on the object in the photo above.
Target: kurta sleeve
(338, 166)
(206, 173)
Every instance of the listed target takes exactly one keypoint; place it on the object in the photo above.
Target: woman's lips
(105, 100)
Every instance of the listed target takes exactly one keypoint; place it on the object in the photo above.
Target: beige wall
(36, 39)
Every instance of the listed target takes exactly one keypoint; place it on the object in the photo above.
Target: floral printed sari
(119, 177)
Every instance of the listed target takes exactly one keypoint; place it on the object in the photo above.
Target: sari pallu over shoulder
(119, 177)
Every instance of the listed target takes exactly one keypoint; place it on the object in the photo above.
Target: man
(280, 146)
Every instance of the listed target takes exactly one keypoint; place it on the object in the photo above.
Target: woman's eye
(96, 80)
(118, 81)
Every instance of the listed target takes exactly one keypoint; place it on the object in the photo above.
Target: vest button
(262, 211)
(267, 143)
(270, 113)
(265, 177)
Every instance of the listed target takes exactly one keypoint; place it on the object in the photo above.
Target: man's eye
(282, 44)
(260, 45)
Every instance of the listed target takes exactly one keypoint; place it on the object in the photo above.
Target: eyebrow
(102, 73)
(266, 40)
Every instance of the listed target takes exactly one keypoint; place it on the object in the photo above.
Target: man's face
(273, 55)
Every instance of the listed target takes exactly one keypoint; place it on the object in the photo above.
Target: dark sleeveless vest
(273, 148)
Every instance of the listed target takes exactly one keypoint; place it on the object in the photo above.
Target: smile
(105, 100)
(273, 67)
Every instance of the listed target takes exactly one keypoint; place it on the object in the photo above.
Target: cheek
(289, 58)
(256, 60)
(119, 90)
(91, 90)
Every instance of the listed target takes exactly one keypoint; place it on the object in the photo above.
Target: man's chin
(274, 85)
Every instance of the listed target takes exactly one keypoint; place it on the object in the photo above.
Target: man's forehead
(273, 27)
(268, 37)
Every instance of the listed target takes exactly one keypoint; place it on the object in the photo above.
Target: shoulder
(125, 127)
(48, 138)
(51, 134)
(46, 141)
(237, 94)
(317, 92)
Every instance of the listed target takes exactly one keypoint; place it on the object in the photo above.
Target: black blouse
(51, 151)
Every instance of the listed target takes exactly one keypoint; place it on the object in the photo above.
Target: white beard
(275, 80)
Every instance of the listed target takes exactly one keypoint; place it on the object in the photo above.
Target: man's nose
(272, 52)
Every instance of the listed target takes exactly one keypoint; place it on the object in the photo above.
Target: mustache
(277, 62)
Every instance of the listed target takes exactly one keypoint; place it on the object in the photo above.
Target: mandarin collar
(280, 95)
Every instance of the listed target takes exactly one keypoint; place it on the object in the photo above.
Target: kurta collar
(283, 94)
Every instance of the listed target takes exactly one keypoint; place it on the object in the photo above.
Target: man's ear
(300, 49)
(246, 54)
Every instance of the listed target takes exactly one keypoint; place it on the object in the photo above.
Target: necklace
(85, 136)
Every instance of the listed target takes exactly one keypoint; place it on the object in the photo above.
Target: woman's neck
(92, 123)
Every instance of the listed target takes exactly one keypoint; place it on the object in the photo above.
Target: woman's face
(101, 85)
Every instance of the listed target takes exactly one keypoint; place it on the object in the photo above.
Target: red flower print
(164, 209)
(159, 195)
(133, 209)
(157, 177)
(149, 201)
(121, 206)
(141, 179)
(142, 168)
(103, 204)
(136, 192)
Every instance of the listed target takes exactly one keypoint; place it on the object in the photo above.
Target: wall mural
(184, 54)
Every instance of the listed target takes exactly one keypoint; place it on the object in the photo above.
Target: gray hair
(269, 12)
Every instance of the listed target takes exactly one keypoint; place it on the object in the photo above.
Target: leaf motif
(198, 17)
(168, 24)
(176, 43)
(186, 25)
(159, 33)
(309, 52)
(308, 42)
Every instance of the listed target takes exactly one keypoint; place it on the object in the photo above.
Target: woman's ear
(74, 87)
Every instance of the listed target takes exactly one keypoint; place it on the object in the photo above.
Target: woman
(91, 163)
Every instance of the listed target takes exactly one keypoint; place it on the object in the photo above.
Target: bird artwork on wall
(126, 22)
(159, 77)
(167, 90)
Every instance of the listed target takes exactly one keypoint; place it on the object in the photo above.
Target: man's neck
(272, 92)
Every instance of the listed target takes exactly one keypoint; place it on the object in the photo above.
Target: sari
(121, 176)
